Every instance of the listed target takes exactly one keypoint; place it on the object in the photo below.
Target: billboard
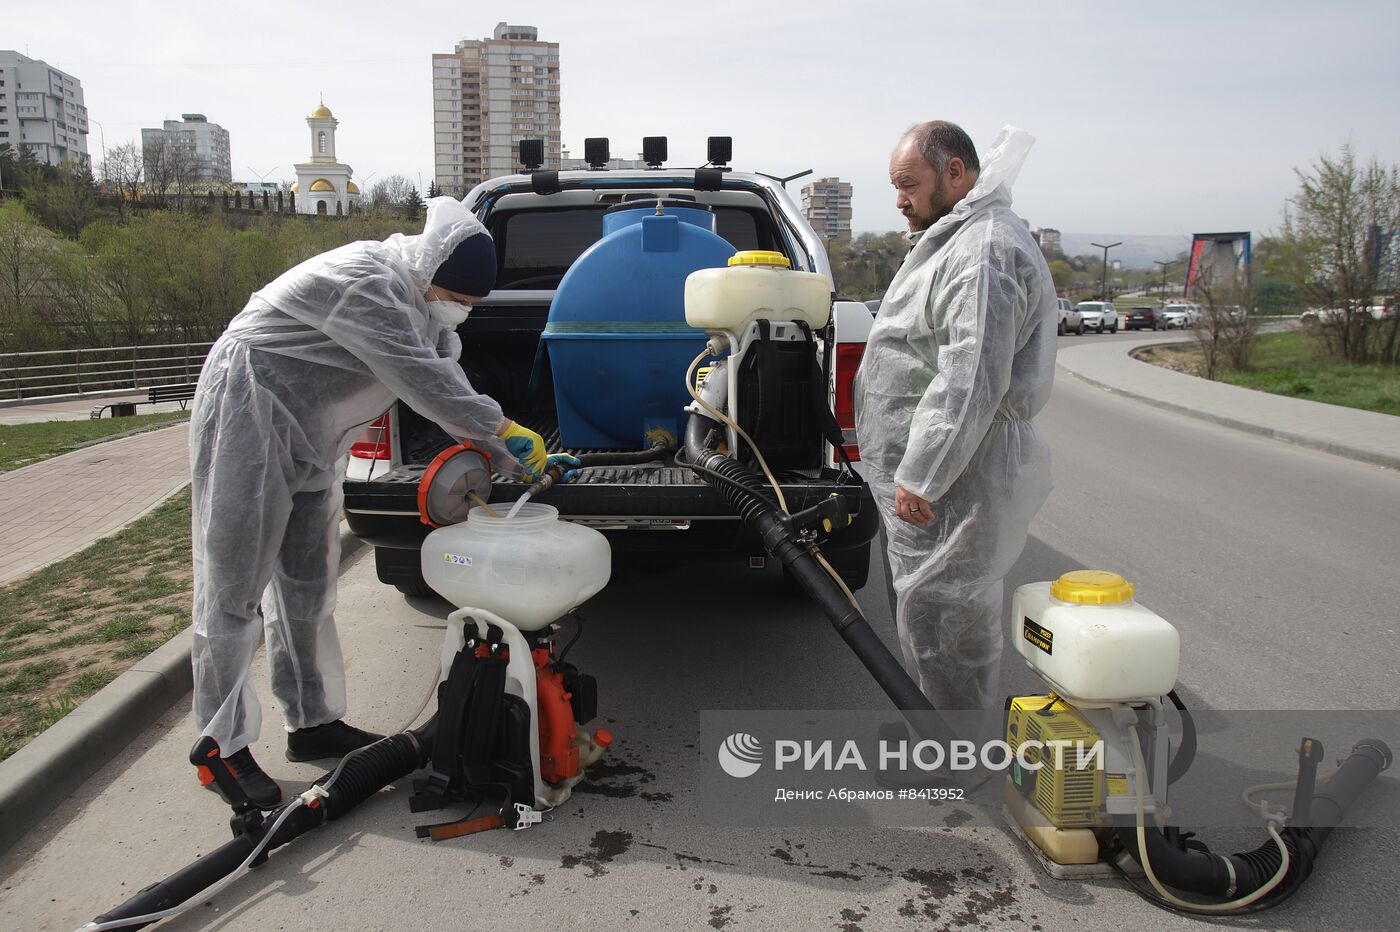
(1218, 258)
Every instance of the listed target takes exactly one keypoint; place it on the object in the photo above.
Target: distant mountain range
(1137, 252)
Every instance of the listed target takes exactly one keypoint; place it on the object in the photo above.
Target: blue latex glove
(564, 460)
(528, 447)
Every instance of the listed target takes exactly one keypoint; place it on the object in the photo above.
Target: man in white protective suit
(960, 360)
(313, 357)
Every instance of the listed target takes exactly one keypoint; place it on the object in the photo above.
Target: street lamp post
(1103, 273)
(1164, 266)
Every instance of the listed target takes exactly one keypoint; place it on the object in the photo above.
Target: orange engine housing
(558, 733)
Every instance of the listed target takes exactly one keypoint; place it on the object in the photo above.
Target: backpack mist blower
(508, 726)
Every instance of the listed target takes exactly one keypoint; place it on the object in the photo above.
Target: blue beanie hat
(471, 268)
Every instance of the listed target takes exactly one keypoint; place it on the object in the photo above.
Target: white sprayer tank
(1084, 634)
(530, 569)
(757, 284)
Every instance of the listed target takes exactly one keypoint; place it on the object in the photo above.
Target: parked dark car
(1144, 318)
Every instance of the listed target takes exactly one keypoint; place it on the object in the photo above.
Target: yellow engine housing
(1066, 795)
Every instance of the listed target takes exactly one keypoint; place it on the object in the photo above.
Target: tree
(414, 204)
(1226, 329)
(123, 169)
(434, 190)
(389, 193)
(68, 203)
(9, 166)
(863, 267)
(170, 169)
(84, 304)
(28, 254)
(1336, 248)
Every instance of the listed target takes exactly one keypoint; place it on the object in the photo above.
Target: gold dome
(352, 188)
(296, 186)
(321, 185)
(322, 113)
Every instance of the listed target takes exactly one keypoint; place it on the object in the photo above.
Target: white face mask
(448, 313)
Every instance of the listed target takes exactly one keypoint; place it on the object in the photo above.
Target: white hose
(1259, 806)
(720, 415)
(758, 455)
(317, 791)
(1139, 778)
(208, 892)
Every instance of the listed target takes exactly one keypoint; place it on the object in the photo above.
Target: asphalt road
(1276, 563)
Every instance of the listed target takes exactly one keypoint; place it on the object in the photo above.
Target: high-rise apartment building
(487, 95)
(198, 144)
(41, 109)
(1049, 239)
(826, 203)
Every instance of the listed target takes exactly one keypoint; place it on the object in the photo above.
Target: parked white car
(1098, 316)
(1071, 321)
(1181, 316)
(1318, 315)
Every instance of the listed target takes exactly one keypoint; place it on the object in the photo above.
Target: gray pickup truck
(660, 509)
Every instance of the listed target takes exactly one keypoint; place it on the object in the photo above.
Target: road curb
(46, 771)
(1372, 457)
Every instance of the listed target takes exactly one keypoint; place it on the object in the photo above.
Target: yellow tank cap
(759, 257)
(1092, 587)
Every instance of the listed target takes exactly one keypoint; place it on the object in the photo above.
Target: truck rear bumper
(663, 509)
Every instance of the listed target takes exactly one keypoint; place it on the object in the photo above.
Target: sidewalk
(1349, 432)
(75, 409)
(51, 510)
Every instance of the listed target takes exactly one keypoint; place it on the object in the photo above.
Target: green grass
(72, 627)
(1292, 364)
(23, 444)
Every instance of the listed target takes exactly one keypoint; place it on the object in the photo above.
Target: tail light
(848, 356)
(373, 442)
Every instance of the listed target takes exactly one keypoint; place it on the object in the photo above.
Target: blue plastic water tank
(617, 337)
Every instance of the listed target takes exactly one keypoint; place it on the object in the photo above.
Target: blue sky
(1149, 120)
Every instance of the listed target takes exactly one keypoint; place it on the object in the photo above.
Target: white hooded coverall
(961, 357)
(321, 351)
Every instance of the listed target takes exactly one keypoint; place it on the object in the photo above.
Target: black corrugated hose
(746, 493)
(362, 775)
(1198, 870)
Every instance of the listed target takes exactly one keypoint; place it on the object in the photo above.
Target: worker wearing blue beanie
(470, 269)
(317, 354)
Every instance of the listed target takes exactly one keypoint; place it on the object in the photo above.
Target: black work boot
(323, 742)
(261, 789)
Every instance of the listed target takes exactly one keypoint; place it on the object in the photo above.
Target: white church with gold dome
(323, 185)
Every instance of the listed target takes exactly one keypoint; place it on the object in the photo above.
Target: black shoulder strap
(830, 429)
(453, 700)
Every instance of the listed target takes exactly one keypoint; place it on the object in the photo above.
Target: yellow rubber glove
(528, 447)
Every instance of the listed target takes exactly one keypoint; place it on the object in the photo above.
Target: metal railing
(101, 370)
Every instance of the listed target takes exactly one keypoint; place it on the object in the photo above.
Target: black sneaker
(324, 742)
(261, 789)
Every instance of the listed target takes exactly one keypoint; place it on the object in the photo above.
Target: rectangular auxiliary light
(653, 150)
(595, 151)
(719, 149)
(531, 153)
